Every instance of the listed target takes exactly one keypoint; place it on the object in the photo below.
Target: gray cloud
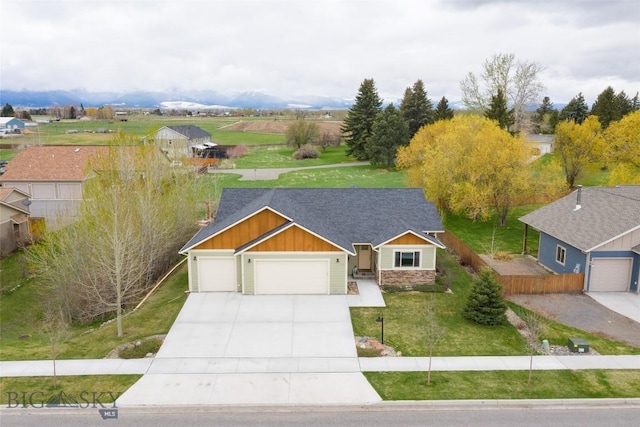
(289, 47)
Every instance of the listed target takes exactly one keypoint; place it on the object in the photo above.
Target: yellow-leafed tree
(578, 144)
(622, 145)
(469, 165)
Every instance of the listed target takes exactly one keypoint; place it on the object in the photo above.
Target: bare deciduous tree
(434, 333)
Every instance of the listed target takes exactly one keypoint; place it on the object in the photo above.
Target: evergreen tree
(7, 111)
(542, 120)
(499, 111)
(485, 304)
(608, 107)
(390, 131)
(358, 125)
(576, 110)
(416, 108)
(443, 112)
(635, 103)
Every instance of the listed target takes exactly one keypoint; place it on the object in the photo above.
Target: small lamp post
(380, 320)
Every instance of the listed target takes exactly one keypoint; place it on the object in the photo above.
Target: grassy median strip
(487, 385)
(85, 391)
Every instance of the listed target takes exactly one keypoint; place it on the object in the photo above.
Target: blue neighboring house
(11, 124)
(595, 231)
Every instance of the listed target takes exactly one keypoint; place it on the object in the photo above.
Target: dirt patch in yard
(518, 265)
(279, 126)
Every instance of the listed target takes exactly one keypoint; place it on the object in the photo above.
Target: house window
(561, 254)
(407, 259)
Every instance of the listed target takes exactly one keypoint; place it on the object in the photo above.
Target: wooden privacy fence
(547, 284)
(466, 254)
(517, 284)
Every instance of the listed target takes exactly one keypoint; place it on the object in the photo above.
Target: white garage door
(217, 274)
(610, 274)
(292, 277)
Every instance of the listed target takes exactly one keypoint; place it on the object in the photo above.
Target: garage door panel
(217, 274)
(291, 277)
(610, 274)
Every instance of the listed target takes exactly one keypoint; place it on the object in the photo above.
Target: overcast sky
(317, 47)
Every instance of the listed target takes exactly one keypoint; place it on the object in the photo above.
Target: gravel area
(582, 312)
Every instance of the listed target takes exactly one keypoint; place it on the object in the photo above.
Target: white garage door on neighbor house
(217, 274)
(292, 277)
(610, 274)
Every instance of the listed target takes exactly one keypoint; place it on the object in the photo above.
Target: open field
(279, 126)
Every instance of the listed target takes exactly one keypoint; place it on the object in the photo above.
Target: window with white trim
(406, 259)
(561, 254)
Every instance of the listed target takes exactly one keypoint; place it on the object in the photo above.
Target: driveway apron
(229, 348)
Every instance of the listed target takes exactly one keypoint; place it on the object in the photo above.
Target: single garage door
(217, 274)
(610, 274)
(292, 277)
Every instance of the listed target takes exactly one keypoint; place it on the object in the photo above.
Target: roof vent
(578, 199)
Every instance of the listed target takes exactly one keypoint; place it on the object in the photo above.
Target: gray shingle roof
(190, 131)
(605, 213)
(344, 216)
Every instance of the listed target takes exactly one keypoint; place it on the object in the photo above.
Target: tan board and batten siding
(323, 267)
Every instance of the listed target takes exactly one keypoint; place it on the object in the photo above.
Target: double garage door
(271, 276)
(610, 274)
(291, 277)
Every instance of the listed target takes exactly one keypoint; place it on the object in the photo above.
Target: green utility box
(578, 345)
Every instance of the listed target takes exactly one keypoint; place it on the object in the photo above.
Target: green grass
(478, 234)
(20, 316)
(282, 157)
(361, 176)
(80, 388)
(506, 385)
(405, 321)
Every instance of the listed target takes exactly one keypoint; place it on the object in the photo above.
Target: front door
(364, 258)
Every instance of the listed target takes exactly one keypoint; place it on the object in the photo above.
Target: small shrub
(141, 351)
(306, 152)
(485, 304)
(502, 256)
(237, 151)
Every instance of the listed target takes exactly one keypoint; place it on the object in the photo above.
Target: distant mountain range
(193, 100)
(183, 100)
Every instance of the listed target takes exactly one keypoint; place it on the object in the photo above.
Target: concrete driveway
(228, 348)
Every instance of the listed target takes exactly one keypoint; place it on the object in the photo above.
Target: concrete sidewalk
(194, 366)
(274, 173)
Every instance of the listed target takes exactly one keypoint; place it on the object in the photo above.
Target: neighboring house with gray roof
(14, 219)
(179, 141)
(593, 230)
(309, 241)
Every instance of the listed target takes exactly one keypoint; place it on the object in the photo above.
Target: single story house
(310, 241)
(595, 231)
(53, 177)
(11, 124)
(14, 219)
(179, 141)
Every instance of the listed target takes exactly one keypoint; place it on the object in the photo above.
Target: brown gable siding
(409, 239)
(294, 239)
(245, 231)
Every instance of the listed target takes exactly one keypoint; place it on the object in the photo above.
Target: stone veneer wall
(407, 277)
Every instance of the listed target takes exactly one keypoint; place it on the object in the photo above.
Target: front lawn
(485, 385)
(22, 336)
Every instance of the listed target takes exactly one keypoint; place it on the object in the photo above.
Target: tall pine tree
(576, 110)
(390, 131)
(499, 111)
(443, 112)
(485, 304)
(358, 125)
(545, 119)
(416, 108)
